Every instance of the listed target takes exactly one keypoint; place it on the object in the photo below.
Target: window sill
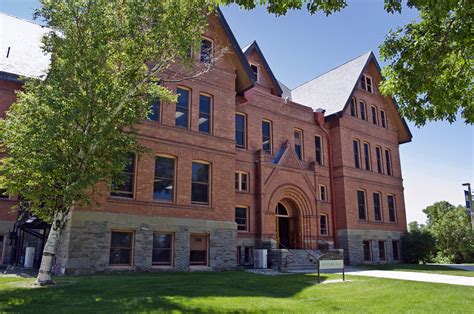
(199, 268)
(121, 267)
(162, 267)
(121, 198)
(242, 192)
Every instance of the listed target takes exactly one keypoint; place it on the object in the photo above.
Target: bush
(418, 246)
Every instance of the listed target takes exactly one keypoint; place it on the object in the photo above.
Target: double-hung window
(241, 181)
(206, 51)
(298, 135)
(240, 130)
(323, 225)
(162, 249)
(388, 162)
(377, 207)
(361, 204)
(155, 109)
(318, 143)
(374, 115)
(199, 250)
(182, 108)
(356, 147)
(323, 196)
(255, 71)
(241, 218)
(378, 154)
(391, 208)
(121, 248)
(367, 156)
(353, 107)
(125, 185)
(383, 119)
(200, 183)
(163, 185)
(205, 117)
(366, 83)
(267, 136)
(363, 110)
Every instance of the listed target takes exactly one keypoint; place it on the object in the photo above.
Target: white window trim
(240, 173)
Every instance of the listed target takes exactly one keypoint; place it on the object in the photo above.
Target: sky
(299, 47)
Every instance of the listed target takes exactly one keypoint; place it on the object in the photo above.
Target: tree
(431, 69)
(72, 131)
(451, 227)
(417, 244)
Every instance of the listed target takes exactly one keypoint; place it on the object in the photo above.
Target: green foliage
(73, 130)
(451, 226)
(431, 68)
(417, 244)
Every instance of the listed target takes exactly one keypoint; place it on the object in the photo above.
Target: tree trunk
(49, 251)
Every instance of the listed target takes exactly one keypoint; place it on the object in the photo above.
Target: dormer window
(206, 51)
(366, 83)
(255, 71)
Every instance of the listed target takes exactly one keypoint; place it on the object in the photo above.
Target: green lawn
(436, 269)
(214, 292)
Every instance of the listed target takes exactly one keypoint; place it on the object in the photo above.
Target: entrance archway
(286, 227)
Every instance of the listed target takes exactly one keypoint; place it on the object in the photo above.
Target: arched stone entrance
(292, 213)
(287, 225)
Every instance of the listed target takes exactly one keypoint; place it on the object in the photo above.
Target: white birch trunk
(49, 251)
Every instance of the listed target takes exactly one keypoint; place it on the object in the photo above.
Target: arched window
(281, 210)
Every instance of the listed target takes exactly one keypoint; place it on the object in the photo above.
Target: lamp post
(469, 200)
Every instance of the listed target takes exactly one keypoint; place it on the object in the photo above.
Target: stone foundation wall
(351, 241)
(86, 247)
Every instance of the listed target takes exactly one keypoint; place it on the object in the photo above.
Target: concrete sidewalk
(413, 276)
(458, 266)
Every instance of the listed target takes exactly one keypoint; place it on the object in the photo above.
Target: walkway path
(459, 266)
(413, 276)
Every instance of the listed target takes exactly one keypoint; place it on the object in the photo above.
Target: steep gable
(254, 55)
(333, 90)
(245, 79)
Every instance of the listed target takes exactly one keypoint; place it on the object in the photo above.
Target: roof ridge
(23, 19)
(328, 71)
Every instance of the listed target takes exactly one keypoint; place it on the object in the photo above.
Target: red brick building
(240, 163)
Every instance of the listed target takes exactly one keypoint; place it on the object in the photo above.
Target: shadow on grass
(148, 291)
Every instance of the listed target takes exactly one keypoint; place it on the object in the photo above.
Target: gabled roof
(26, 58)
(286, 91)
(247, 71)
(254, 46)
(332, 90)
(20, 48)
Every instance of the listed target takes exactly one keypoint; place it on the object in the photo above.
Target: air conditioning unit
(261, 258)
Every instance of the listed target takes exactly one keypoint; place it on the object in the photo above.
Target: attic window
(255, 71)
(366, 83)
(206, 51)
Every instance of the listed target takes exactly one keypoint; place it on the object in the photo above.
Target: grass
(234, 292)
(435, 269)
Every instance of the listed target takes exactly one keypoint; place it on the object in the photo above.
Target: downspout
(319, 118)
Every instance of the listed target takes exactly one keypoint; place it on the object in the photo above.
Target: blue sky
(299, 47)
